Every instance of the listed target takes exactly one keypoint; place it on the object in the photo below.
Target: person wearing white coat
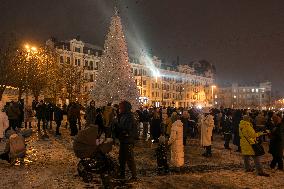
(207, 125)
(176, 142)
(4, 122)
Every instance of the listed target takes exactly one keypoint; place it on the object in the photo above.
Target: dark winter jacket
(41, 111)
(126, 128)
(99, 121)
(186, 125)
(58, 114)
(13, 112)
(73, 113)
(236, 122)
(155, 127)
(90, 115)
(227, 125)
(49, 112)
(276, 141)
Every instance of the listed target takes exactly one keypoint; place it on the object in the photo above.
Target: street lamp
(212, 88)
(29, 49)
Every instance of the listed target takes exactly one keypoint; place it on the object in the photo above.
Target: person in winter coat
(276, 143)
(108, 116)
(99, 121)
(155, 126)
(13, 113)
(227, 129)
(176, 142)
(91, 114)
(185, 119)
(161, 155)
(126, 135)
(21, 106)
(146, 120)
(4, 122)
(58, 117)
(49, 115)
(237, 117)
(40, 114)
(73, 116)
(28, 116)
(207, 126)
(248, 137)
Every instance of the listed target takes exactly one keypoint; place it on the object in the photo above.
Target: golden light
(34, 49)
(27, 46)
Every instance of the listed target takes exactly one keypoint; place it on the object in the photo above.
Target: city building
(81, 54)
(159, 84)
(246, 97)
(166, 85)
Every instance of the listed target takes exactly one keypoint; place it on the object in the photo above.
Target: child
(161, 154)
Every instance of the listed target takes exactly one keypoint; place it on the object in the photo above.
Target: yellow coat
(248, 137)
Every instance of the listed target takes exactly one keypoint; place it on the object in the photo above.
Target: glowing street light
(30, 48)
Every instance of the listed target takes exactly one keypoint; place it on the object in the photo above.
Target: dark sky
(244, 39)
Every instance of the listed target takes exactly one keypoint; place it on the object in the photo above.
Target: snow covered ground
(52, 164)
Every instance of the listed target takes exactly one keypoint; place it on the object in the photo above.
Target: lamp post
(30, 50)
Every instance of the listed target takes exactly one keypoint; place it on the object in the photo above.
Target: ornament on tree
(114, 67)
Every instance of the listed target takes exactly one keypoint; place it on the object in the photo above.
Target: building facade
(244, 97)
(159, 84)
(165, 85)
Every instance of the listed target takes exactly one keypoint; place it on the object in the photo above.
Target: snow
(51, 164)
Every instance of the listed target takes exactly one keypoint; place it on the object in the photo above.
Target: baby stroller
(15, 145)
(94, 158)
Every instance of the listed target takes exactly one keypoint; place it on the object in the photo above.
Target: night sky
(244, 39)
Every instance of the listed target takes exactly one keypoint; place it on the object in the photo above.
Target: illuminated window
(252, 90)
(256, 90)
(61, 59)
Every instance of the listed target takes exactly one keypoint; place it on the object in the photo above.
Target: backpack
(17, 146)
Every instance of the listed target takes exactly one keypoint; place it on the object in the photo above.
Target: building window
(96, 65)
(91, 78)
(77, 49)
(153, 94)
(91, 65)
(256, 90)
(144, 82)
(252, 90)
(61, 59)
(77, 62)
(68, 60)
(86, 63)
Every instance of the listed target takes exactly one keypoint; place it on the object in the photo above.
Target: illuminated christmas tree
(114, 81)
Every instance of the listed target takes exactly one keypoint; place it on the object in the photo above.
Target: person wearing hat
(207, 125)
(126, 134)
(248, 137)
(276, 143)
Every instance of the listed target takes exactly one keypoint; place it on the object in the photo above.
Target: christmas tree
(114, 80)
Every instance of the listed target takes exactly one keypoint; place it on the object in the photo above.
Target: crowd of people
(168, 127)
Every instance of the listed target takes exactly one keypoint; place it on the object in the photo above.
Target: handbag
(257, 148)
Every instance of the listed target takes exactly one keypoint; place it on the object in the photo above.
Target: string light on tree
(115, 81)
